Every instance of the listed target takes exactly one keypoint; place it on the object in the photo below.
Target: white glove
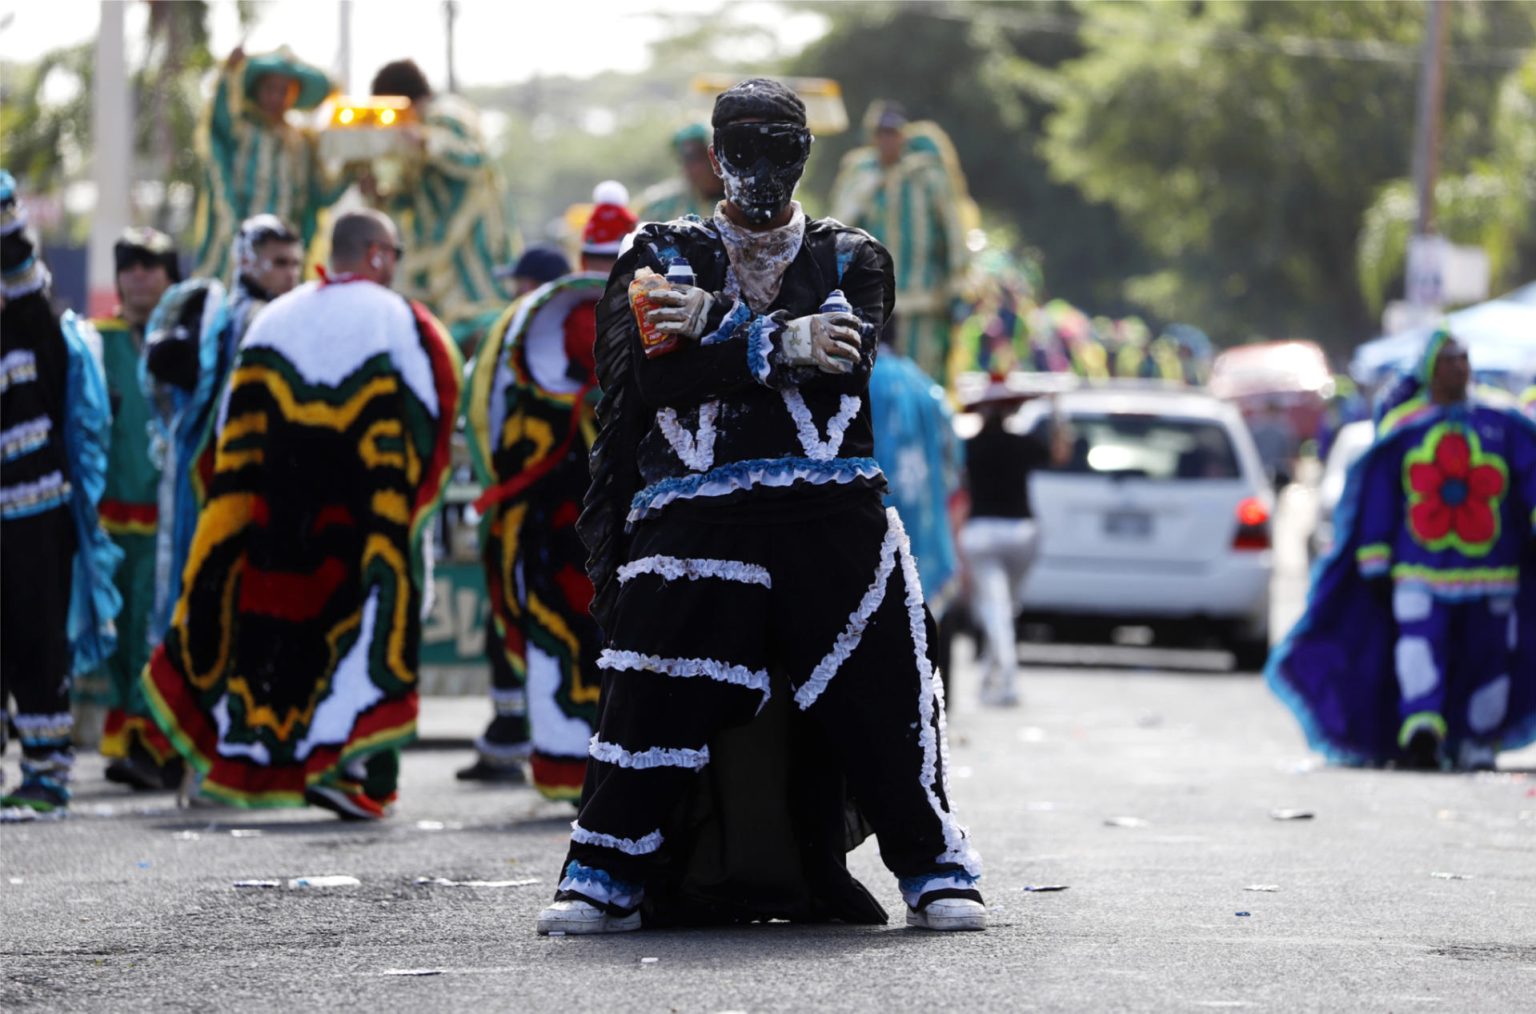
(828, 341)
(681, 312)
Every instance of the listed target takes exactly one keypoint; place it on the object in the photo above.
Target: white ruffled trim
(510, 701)
(58, 724)
(503, 753)
(23, 437)
(655, 757)
(674, 568)
(852, 634)
(629, 846)
(696, 450)
(721, 672)
(815, 448)
(930, 704)
(45, 491)
(18, 367)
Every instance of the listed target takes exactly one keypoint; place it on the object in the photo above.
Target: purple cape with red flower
(1445, 499)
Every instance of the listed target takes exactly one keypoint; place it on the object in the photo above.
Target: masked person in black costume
(768, 695)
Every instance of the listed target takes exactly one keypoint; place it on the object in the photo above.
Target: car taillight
(1252, 525)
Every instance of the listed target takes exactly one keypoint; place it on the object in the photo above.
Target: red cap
(611, 221)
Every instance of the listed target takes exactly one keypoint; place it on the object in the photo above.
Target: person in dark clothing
(57, 604)
(1000, 540)
(766, 639)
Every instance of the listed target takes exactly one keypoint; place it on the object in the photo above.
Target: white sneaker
(577, 918)
(948, 914)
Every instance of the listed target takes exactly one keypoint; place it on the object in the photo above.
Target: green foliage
(1243, 152)
(983, 71)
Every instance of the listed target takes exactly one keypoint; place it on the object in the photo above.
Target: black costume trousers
(35, 563)
(825, 599)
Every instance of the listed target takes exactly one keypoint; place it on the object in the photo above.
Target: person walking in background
(696, 191)
(139, 756)
(192, 339)
(1001, 538)
(289, 672)
(907, 190)
(254, 160)
(1418, 646)
(57, 600)
(449, 205)
(530, 427)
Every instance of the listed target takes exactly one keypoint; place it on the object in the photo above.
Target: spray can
(836, 302)
(680, 274)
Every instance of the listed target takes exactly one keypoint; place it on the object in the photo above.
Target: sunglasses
(396, 247)
(742, 145)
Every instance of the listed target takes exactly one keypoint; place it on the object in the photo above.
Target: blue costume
(1419, 621)
(188, 354)
(917, 450)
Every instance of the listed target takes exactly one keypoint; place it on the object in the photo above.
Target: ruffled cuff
(730, 324)
(1374, 559)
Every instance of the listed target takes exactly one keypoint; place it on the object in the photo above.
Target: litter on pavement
(1042, 888)
(1126, 822)
(333, 881)
(445, 882)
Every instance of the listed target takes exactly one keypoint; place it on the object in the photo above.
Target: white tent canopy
(1500, 336)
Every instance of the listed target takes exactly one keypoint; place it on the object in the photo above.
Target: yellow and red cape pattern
(293, 648)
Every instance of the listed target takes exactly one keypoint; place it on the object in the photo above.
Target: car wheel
(1250, 654)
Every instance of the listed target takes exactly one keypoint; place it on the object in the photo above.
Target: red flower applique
(1454, 492)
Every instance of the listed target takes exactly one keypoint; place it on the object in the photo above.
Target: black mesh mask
(761, 163)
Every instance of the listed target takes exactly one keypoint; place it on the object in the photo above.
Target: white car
(1161, 517)
(1353, 440)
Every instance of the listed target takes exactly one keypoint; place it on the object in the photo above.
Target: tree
(982, 71)
(1492, 205)
(1242, 142)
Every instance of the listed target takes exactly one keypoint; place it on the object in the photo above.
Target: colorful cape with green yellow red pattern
(293, 647)
(530, 424)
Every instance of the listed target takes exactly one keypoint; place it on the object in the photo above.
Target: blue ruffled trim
(739, 475)
(740, 314)
(917, 885)
(759, 344)
(576, 871)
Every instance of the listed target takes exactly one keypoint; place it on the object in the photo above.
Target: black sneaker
(139, 775)
(40, 796)
(1422, 752)
(484, 771)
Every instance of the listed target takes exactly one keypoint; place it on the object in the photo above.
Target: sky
(496, 41)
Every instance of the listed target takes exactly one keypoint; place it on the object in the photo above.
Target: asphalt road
(1144, 782)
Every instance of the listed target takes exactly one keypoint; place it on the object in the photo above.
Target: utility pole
(344, 47)
(1428, 253)
(112, 156)
(450, 13)
(1426, 147)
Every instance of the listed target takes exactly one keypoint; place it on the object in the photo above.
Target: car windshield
(1150, 447)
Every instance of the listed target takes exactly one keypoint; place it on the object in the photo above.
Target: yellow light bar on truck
(370, 111)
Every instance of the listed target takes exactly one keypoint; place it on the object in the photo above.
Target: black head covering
(144, 243)
(758, 98)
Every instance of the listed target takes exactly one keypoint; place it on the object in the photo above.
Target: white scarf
(759, 259)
